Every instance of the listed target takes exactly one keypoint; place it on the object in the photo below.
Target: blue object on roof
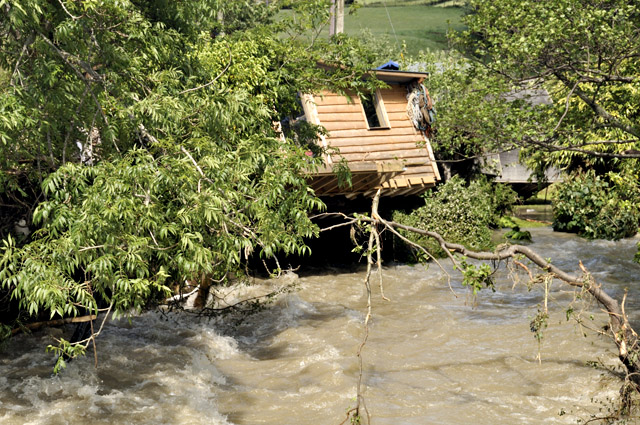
(391, 66)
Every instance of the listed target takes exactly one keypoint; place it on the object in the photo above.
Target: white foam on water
(430, 358)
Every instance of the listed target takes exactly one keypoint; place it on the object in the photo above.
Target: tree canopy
(142, 136)
(586, 53)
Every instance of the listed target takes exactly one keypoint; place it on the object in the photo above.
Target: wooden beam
(362, 167)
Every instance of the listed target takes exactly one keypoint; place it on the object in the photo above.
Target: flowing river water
(431, 357)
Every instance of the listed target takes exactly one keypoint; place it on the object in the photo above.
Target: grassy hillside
(382, 3)
(421, 27)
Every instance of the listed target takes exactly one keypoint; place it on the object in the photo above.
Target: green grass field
(388, 3)
(421, 27)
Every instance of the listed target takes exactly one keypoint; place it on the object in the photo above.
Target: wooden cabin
(375, 137)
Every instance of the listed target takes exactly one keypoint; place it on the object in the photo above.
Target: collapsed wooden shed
(375, 137)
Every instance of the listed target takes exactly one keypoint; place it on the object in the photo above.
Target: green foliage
(65, 349)
(506, 221)
(515, 233)
(108, 67)
(584, 53)
(539, 324)
(183, 174)
(342, 171)
(5, 333)
(518, 235)
(475, 113)
(528, 48)
(461, 213)
(476, 277)
(597, 207)
(121, 228)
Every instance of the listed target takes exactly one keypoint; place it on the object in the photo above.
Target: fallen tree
(619, 330)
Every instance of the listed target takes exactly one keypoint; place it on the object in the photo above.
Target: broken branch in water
(624, 336)
(55, 322)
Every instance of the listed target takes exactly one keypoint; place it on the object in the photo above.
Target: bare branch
(184, 151)
(75, 18)
(212, 81)
(428, 254)
(628, 154)
(599, 110)
(55, 322)
(566, 109)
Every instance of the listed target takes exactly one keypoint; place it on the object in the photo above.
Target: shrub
(597, 207)
(461, 213)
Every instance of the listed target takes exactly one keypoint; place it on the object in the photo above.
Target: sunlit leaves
(584, 52)
(189, 177)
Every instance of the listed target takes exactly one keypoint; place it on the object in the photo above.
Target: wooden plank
(396, 183)
(395, 96)
(427, 177)
(425, 169)
(396, 107)
(327, 93)
(387, 98)
(400, 131)
(394, 118)
(436, 170)
(359, 183)
(373, 138)
(418, 180)
(388, 156)
(339, 109)
(396, 103)
(360, 167)
(333, 126)
(337, 100)
(398, 116)
(364, 167)
(379, 148)
(310, 111)
(404, 161)
(350, 116)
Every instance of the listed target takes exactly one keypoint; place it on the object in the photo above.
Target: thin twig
(427, 253)
(87, 248)
(75, 18)
(212, 81)
(566, 109)
(195, 164)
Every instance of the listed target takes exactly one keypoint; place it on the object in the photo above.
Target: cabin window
(373, 108)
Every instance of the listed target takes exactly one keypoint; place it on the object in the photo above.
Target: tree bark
(56, 322)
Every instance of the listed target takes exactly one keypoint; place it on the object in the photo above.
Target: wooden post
(339, 16)
(336, 17)
(332, 19)
(220, 18)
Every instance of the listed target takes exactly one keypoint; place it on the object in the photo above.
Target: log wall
(346, 123)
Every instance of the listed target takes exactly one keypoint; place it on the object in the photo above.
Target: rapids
(431, 357)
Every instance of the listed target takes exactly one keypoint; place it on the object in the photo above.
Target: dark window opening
(370, 110)
(373, 108)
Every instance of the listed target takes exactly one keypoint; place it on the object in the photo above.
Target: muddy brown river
(431, 358)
